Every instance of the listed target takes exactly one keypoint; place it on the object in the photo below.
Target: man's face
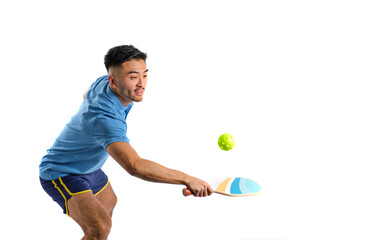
(129, 81)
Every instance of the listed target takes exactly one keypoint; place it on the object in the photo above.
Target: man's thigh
(107, 198)
(91, 189)
(88, 211)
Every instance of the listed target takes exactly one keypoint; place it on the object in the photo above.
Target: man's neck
(124, 102)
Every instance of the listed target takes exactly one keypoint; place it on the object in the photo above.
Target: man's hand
(199, 188)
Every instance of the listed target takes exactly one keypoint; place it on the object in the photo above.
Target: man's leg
(107, 198)
(91, 215)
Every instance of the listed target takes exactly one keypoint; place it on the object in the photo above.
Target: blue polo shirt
(80, 147)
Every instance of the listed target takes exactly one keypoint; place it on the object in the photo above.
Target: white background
(292, 81)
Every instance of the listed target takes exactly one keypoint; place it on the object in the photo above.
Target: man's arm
(148, 170)
(84, 96)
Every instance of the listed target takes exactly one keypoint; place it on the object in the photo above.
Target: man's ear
(112, 81)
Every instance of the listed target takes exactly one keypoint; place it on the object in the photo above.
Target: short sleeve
(107, 130)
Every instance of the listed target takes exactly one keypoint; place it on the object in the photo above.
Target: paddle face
(235, 186)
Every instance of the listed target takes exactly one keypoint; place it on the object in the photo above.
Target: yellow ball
(226, 142)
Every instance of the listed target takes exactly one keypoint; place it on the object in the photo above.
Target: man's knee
(113, 204)
(100, 230)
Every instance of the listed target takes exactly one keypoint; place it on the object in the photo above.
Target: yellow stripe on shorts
(62, 194)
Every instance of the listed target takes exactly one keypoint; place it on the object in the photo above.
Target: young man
(71, 172)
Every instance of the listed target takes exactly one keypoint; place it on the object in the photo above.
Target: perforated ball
(226, 142)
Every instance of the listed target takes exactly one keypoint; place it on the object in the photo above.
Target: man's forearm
(148, 170)
(154, 172)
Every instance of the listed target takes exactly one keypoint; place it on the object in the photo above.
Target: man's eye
(133, 77)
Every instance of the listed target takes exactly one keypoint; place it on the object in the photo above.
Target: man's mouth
(139, 92)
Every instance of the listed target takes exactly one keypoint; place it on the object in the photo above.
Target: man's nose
(141, 81)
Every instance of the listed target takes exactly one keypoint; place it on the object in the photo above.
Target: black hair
(120, 54)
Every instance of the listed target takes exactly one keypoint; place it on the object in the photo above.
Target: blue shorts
(63, 188)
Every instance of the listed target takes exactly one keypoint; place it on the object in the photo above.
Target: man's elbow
(134, 168)
(132, 171)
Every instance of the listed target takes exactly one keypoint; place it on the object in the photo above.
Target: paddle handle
(187, 192)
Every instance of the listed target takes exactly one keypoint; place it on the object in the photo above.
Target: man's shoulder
(99, 85)
(97, 94)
